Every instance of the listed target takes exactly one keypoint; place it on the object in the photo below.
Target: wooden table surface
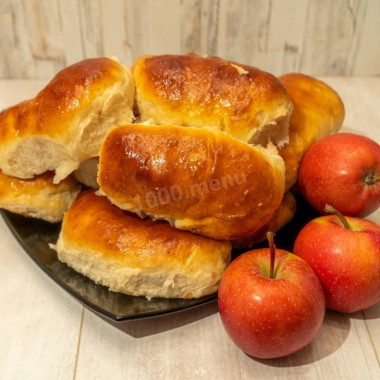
(46, 334)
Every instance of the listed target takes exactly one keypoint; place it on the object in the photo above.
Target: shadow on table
(151, 326)
(370, 313)
(330, 338)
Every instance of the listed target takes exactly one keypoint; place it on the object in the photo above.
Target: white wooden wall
(318, 37)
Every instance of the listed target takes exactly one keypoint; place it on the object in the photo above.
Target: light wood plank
(247, 29)
(369, 337)
(357, 11)
(7, 41)
(344, 353)
(136, 21)
(298, 366)
(180, 348)
(91, 28)
(191, 26)
(71, 31)
(372, 318)
(40, 322)
(215, 26)
(318, 37)
(285, 39)
(44, 32)
(341, 350)
(366, 61)
(15, 51)
(162, 21)
(332, 32)
(185, 345)
(43, 25)
(113, 31)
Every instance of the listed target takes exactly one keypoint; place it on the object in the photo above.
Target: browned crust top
(207, 86)
(54, 107)
(193, 173)
(92, 222)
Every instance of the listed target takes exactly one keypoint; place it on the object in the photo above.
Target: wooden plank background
(318, 37)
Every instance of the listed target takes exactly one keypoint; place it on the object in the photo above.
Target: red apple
(345, 255)
(269, 316)
(342, 170)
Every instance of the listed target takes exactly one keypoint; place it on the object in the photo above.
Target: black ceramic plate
(35, 235)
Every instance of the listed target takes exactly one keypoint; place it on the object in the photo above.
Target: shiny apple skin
(333, 170)
(347, 262)
(270, 318)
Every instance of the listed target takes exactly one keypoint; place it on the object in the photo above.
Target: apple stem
(331, 210)
(272, 248)
(371, 179)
